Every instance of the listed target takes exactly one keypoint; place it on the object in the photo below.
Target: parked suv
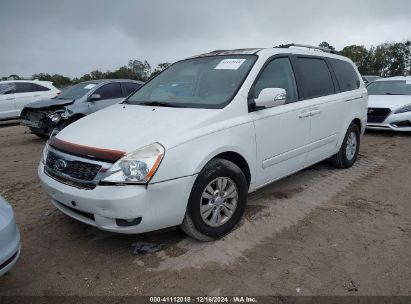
(189, 145)
(74, 103)
(15, 94)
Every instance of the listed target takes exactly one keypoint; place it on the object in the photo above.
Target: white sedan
(15, 94)
(9, 238)
(389, 104)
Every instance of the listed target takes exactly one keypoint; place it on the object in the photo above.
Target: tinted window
(23, 87)
(346, 76)
(131, 87)
(110, 91)
(278, 74)
(389, 87)
(39, 88)
(77, 91)
(316, 77)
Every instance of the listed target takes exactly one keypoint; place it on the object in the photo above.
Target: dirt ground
(318, 232)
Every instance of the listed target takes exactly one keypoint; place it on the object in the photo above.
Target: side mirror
(271, 97)
(95, 97)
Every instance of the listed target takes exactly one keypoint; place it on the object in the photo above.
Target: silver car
(9, 238)
(82, 99)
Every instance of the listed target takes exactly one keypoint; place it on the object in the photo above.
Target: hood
(388, 101)
(129, 127)
(46, 103)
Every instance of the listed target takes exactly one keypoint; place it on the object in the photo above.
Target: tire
(229, 202)
(347, 155)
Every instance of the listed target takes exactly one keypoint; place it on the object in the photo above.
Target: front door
(282, 132)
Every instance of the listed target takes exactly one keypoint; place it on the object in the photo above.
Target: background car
(74, 103)
(15, 94)
(389, 104)
(370, 78)
(10, 246)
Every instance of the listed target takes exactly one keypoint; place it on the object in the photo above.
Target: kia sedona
(187, 147)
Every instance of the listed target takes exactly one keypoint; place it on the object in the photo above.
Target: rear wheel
(347, 155)
(217, 201)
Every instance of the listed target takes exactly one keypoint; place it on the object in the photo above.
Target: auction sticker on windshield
(90, 86)
(229, 64)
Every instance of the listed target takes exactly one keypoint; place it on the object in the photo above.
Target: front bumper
(396, 122)
(159, 205)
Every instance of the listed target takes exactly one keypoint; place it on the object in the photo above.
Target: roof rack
(327, 50)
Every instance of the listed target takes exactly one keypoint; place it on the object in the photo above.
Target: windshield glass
(205, 82)
(77, 91)
(390, 87)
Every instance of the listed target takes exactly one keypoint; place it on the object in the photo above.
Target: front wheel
(347, 155)
(217, 201)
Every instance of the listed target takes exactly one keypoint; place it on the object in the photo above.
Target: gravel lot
(318, 232)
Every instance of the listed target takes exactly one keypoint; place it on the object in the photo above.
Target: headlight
(45, 151)
(55, 117)
(66, 114)
(406, 108)
(136, 167)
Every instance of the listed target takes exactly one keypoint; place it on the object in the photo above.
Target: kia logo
(60, 165)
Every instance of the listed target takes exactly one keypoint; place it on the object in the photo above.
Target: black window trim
(250, 98)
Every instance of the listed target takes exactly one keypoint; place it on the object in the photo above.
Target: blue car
(10, 246)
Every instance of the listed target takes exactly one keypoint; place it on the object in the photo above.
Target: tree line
(135, 69)
(387, 59)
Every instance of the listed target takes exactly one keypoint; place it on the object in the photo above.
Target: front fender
(190, 157)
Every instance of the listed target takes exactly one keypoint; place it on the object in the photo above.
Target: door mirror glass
(271, 97)
(94, 97)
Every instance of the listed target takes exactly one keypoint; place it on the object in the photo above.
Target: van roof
(289, 49)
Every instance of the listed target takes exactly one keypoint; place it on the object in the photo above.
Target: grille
(377, 114)
(75, 169)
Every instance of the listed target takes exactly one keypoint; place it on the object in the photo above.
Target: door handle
(315, 112)
(304, 114)
(354, 98)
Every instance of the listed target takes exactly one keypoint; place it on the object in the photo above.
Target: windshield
(205, 82)
(77, 91)
(390, 87)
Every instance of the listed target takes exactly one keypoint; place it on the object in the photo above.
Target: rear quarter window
(346, 75)
(39, 88)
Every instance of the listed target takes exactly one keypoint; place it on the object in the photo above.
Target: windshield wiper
(159, 104)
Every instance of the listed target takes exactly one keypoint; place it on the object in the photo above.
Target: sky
(74, 37)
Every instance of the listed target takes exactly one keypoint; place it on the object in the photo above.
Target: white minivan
(15, 94)
(189, 145)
